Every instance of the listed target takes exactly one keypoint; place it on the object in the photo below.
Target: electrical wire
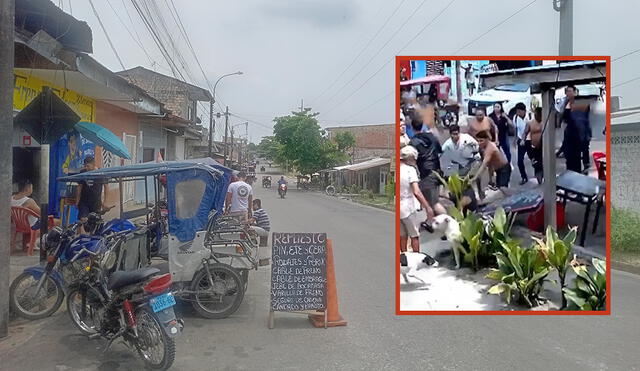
(370, 105)
(361, 51)
(495, 26)
(393, 57)
(106, 34)
(135, 39)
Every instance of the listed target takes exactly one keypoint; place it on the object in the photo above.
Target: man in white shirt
(410, 200)
(522, 140)
(460, 150)
(239, 198)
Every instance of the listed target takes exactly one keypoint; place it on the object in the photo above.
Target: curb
(625, 267)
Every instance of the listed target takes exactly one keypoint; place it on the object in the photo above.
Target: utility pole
(231, 154)
(226, 134)
(211, 126)
(565, 38)
(7, 13)
(458, 84)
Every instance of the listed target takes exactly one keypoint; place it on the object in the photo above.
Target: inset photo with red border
(502, 185)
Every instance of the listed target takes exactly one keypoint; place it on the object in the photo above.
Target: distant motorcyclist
(282, 181)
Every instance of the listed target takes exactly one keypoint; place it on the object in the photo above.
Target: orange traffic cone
(333, 314)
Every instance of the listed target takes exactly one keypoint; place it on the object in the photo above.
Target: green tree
(302, 143)
(345, 140)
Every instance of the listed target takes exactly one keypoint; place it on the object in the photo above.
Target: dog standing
(411, 262)
(451, 230)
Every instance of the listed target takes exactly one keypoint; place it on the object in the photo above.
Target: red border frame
(607, 59)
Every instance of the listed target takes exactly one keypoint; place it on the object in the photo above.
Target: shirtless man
(494, 160)
(534, 127)
(479, 123)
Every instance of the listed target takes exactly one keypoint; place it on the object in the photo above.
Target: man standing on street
(468, 75)
(90, 194)
(428, 162)
(522, 140)
(239, 197)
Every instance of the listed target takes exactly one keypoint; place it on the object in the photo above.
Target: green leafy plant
(521, 273)
(497, 231)
(472, 230)
(456, 185)
(390, 191)
(366, 193)
(557, 253)
(590, 290)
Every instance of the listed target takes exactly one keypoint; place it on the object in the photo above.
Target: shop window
(147, 154)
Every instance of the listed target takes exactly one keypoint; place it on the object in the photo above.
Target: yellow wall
(26, 88)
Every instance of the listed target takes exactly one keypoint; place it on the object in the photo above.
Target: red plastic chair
(20, 218)
(596, 157)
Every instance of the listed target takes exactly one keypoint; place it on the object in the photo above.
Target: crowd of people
(481, 149)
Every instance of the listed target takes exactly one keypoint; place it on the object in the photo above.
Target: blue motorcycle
(38, 291)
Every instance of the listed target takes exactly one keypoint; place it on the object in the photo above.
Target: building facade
(371, 140)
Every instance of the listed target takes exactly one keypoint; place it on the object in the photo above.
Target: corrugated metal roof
(366, 164)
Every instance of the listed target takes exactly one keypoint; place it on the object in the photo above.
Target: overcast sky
(293, 50)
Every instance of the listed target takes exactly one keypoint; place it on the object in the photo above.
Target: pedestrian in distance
(411, 200)
(522, 139)
(470, 78)
(534, 130)
(505, 128)
(239, 197)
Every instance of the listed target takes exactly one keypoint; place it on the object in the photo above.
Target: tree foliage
(298, 142)
(345, 140)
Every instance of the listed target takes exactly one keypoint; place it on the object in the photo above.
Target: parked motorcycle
(136, 306)
(282, 190)
(39, 291)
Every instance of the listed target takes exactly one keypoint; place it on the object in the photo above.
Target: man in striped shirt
(260, 219)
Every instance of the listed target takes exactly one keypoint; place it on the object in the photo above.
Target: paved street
(375, 337)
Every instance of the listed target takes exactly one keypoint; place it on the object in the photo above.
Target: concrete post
(549, 156)
(7, 11)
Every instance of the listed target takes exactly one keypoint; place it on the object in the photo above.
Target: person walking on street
(428, 162)
(477, 124)
(504, 126)
(411, 199)
(239, 197)
(469, 78)
(522, 139)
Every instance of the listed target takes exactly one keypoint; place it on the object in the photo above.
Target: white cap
(408, 152)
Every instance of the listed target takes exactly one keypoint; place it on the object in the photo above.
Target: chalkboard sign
(299, 272)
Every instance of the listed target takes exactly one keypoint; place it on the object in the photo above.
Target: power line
(626, 82)
(361, 50)
(393, 57)
(106, 34)
(496, 26)
(135, 39)
(369, 105)
(382, 47)
(626, 55)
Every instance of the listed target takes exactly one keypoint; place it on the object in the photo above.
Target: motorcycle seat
(120, 279)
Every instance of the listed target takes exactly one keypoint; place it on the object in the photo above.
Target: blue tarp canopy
(194, 188)
(149, 169)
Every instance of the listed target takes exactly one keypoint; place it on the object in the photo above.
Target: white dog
(451, 230)
(411, 262)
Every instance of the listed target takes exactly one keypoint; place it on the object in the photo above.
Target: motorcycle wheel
(89, 324)
(157, 350)
(221, 300)
(23, 299)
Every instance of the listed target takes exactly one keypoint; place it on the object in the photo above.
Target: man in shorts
(239, 197)
(410, 200)
(90, 194)
(494, 160)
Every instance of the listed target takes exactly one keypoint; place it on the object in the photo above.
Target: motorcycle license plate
(161, 302)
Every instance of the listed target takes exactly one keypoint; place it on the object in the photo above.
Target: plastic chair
(596, 157)
(20, 218)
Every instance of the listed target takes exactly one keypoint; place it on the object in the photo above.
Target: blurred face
(90, 166)
(570, 93)
(497, 109)
(482, 142)
(479, 114)
(255, 206)
(455, 136)
(28, 190)
(72, 144)
(521, 113)
(538, 115)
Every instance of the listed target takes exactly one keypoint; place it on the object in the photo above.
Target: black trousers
(522, 151)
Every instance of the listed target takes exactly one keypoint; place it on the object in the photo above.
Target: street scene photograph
(273, 185)
(491, 217)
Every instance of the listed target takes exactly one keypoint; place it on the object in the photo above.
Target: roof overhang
(548, 76)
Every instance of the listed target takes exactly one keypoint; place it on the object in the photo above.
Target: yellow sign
(27, 87)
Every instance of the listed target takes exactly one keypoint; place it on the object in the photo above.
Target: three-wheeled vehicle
(266, 181)
(438, 85)
(208, 255)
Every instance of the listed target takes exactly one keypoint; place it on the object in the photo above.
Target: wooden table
(584, 190)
